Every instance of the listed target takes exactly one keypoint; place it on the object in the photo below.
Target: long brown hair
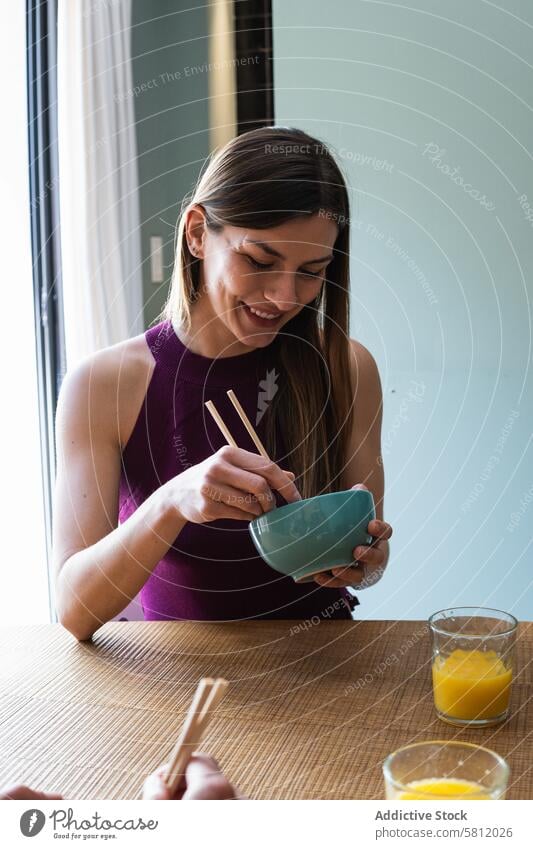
(261, 179)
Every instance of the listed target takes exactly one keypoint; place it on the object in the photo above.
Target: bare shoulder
(365, 373)
(104, 392)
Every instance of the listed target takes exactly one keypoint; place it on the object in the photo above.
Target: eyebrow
(270, 250)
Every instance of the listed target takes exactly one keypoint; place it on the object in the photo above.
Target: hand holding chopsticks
(246, 422)
(208, 696)
(231, 483)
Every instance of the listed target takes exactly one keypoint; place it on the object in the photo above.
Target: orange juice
(444, 788)
(471, 684)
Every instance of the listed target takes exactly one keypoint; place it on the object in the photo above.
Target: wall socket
(157, 273)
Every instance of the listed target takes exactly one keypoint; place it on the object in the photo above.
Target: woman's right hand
(231, 484)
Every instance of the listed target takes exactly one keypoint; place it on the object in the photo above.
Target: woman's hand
(230, 484)
(203, 780)
(371, 558)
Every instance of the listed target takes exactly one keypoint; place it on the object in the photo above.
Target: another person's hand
(203, 780)
(371, 559)
(231, 484)
(20, 791)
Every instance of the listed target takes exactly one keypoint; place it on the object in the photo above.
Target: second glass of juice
(473, 664)
(445, 769)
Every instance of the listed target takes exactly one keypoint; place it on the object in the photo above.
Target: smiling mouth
(263, 317)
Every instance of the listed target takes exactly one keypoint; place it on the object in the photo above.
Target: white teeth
(261, 314)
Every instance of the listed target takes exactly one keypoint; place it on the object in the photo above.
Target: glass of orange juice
(442, 769)
(473, 661)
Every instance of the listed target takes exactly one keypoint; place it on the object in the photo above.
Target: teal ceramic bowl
(310, 536)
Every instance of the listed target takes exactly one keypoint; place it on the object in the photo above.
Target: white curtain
(100, 222)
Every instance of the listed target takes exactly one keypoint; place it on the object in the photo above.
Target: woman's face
(275, 271)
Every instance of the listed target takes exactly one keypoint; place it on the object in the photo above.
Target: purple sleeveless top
(212, 571)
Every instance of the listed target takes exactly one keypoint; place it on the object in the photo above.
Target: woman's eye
(262, 265)
(312, 273)
(257, 264)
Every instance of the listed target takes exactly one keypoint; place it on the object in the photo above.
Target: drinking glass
(473, 664)
(443, 769)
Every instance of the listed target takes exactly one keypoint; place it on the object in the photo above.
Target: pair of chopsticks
(208, 696)
(245, 420)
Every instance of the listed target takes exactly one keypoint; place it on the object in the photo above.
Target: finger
(232, 497)
(22, 791)
(370, 555)
(248, 483)
(325, 579)
(155, 787)
(379, 529)
(278, 480)
(162, 771)
(207, 762)
(229, 512)
(350, 574)
(269, 470)
(205, 780)
(17, 791)
(360, 486)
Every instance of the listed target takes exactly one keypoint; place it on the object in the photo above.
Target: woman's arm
(100, 567)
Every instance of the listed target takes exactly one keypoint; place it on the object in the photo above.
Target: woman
(149, 498)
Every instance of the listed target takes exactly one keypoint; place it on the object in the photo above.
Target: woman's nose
(282, 292)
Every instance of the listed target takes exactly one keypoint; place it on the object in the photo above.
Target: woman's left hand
(371, 560)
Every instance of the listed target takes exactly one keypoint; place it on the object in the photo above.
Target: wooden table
(312, 711)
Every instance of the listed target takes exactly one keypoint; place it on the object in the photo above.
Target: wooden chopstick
(220, 422)
(213, 700)
(209, 694)
(200, 697)
(247, 424)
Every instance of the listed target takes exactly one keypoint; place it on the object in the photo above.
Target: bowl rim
(343, 492)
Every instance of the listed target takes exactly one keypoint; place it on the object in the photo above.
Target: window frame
(41, 38)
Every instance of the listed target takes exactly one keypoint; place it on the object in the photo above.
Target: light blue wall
(441, 279)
